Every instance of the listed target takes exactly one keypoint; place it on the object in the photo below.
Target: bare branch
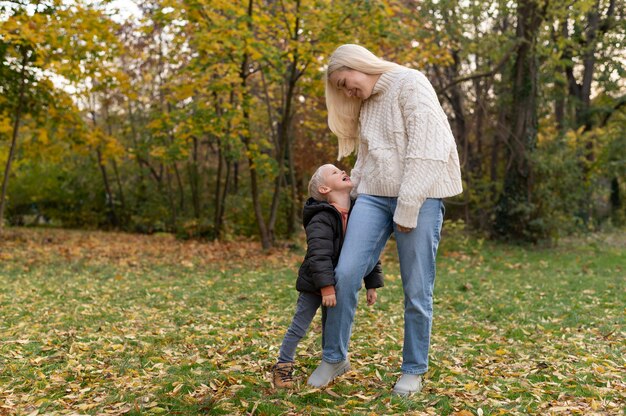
(482, 74)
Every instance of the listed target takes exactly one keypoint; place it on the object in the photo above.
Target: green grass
(99, 323)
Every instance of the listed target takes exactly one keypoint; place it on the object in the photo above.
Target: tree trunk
(223, 168)
(284, 125)
(460, 130)
(217, 223)
(133, 129)
(16, 126)
(112, 217)
(115, 169)
(194, 176)
(222, 209)
(179, 182)
(235, 177)
(615, 198)
(170, 199)
(181, 188)
(118, 180)
(292, 218)
(107, 188)
(454, 95)
(266, 241)
(515, 210)
(476, 159)
(495, 158)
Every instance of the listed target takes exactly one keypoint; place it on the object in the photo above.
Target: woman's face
(353, 83)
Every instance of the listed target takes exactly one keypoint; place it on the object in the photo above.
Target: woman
(406, 162)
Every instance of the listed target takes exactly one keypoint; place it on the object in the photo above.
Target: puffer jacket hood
(313, 207)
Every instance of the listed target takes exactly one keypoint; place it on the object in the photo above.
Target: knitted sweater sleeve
(427, 147)
(355, 173)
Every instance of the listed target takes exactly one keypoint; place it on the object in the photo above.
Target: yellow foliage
(113, 148)
(92, 138)
(4, 155)
(158, 152)
(156, 124)
(388, 9)
(24, 29)
(573, 137)
(186, 90)
(6, 125)
(42, 136)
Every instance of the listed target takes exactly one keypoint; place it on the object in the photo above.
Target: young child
(325, 217)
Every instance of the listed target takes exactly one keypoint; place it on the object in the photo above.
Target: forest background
(206, 118)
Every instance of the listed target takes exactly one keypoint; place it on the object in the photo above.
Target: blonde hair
(343, 112)
(316, 181)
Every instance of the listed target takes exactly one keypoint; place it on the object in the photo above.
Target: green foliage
(560, 189)
(58, 195)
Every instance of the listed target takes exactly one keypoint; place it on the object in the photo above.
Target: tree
(207, 117)
(36, 46)
(19, 46)
(25, 52)
(516, 210)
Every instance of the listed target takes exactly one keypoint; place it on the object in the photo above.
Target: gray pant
(306, 307)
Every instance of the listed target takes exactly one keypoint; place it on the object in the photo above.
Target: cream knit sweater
(406, 147)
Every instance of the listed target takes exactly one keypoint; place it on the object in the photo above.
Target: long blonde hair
(343, 112)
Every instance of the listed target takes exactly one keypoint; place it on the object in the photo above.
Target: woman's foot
(408, 384)
(282, 374)
(327, 372)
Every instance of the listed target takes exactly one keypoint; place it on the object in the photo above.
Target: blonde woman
(407, 162)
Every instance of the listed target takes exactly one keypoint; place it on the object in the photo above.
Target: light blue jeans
(369, 227)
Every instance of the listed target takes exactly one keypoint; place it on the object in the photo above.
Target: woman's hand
(403, 229)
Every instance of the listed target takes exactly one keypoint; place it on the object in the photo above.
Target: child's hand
(371, 296)
(403, 229)
(329, 300)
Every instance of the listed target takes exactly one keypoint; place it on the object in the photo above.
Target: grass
(108, 323)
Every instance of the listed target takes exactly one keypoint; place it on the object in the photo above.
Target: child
(325, 217)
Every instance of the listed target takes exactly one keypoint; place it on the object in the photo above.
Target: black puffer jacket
(324, 237)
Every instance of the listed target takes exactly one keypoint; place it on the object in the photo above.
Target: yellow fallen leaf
(360, 396)
(332, 393)
(470, 386)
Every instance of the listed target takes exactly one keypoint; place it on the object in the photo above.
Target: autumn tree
(20, 50)
(206, 118)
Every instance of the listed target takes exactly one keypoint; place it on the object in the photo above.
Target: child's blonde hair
(316, 181)
(343, 112)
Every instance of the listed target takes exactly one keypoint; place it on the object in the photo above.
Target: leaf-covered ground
(111, 323)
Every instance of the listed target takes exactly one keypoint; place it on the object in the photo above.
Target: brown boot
(283, 375)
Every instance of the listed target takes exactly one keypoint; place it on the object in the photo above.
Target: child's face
(336, 179)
